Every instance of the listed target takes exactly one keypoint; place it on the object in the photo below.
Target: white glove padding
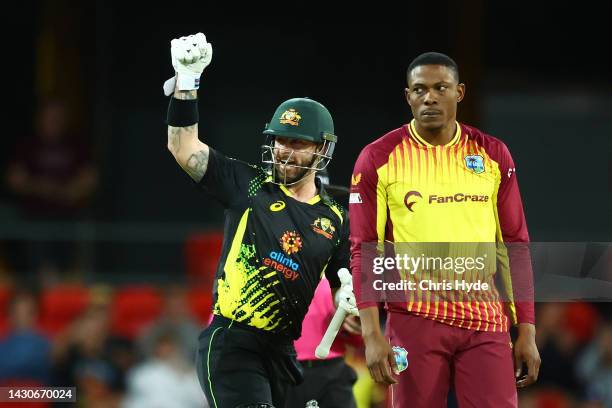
(169, 86)
(190, 55)
(345, 298)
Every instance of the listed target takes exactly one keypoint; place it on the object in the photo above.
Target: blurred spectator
(176, 318)
(166, 379)
(595, 368)
(94, 382)
(558, 345)
(5, 270)
(52, 176)
(24, 353)
(87, 351)
(52, 173)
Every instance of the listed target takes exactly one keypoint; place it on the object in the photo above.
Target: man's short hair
(433, 58)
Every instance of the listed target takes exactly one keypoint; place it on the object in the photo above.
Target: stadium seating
(133, 308)
(60, 305)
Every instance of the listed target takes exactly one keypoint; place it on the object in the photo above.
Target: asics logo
(277, 206)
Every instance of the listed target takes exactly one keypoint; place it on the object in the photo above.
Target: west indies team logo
(355, 179)
(291, 242)
(323, 226)
(411, 195)
(290, 117)
(475, 162)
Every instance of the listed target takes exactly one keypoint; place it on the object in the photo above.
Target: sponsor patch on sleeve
(355, 198)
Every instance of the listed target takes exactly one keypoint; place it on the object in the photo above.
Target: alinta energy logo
(282, 264)
(291, 242)
(411, 195)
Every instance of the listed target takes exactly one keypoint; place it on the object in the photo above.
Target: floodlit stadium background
(131, 244)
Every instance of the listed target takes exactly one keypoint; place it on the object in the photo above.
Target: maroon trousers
(478, 364)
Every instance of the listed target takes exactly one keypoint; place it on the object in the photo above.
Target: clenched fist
(190, 55)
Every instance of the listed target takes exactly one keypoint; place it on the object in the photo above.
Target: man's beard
(283, 178)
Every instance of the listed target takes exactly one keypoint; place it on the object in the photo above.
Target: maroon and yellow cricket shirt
(407, 190)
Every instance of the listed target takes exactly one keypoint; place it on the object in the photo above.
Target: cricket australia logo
(475, 162)
(323, 226)
(290, 117)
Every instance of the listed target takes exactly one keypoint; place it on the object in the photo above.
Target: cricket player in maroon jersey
(436, 180)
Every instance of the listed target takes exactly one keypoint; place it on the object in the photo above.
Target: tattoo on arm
(196, 165)
(174, 138)
(197, 162)
(175, 133)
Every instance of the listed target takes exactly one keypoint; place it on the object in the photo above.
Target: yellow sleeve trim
(338, 213)
(381, 202)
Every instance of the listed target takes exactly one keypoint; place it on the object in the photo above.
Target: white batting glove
(345, 298)
(190, 55)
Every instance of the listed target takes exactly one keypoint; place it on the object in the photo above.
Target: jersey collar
(421, 141)
(313, 200)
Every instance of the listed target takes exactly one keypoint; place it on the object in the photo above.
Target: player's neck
(305, 190)
(439, 136)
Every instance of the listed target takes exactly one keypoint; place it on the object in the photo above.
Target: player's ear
(460, 92)
(407, 95)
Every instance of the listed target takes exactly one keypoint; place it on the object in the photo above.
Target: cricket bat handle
(322, 350)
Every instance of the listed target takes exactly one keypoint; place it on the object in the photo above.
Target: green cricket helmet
(304, 119)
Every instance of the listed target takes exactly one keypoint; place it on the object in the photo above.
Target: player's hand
(526, 351)
(190, 55)
(352, 325)
(380, 359)
(345, 298)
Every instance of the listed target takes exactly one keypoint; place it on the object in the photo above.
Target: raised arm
(189, 151)
(190, 55)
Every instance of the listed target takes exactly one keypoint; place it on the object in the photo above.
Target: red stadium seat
(5, 294)
(134, 307)
(581, 319)
(202, 252)
(199, 299)
(60, 305)
(552, 399)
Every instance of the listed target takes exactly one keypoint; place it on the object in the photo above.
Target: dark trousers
(238, 364)
(329, 382)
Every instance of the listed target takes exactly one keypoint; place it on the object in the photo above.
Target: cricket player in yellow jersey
(436, 180)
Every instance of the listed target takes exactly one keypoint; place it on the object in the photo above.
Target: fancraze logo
(283, 264)
(458, 198)
(412, 197)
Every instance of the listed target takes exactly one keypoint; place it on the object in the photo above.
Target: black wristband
(182, 112)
